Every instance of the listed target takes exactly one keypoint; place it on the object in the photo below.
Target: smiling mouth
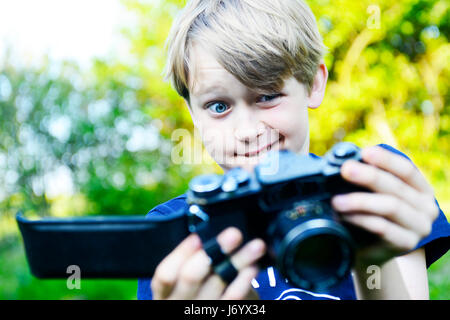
(261, 150)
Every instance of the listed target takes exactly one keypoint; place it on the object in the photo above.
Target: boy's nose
(248, 131)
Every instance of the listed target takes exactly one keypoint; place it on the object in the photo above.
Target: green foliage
(110, 129)
(388, 83)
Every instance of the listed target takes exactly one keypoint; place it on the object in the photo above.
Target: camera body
(286, 202)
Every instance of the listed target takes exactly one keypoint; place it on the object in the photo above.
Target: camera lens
(316, 254)
(321, 259)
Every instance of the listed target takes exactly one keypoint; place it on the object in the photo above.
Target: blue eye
(269, 97)
(218, 107)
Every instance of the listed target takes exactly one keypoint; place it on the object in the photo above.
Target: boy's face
(238, 125)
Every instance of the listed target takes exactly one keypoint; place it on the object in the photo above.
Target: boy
(248, 71)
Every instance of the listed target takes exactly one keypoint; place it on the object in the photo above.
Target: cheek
(216, 136)
(292, 123)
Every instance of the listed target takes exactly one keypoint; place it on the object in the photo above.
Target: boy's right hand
(186, 273)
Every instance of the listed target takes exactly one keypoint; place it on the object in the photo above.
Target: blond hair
(260, 42)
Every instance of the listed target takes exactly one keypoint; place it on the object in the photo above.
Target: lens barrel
(314, 252)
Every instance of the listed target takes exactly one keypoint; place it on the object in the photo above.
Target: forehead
(206, 72)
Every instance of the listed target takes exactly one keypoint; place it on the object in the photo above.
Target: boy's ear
(318, 88)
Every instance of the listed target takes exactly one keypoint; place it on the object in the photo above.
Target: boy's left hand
(401, 209)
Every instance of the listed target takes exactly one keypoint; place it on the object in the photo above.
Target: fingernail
(340, 202)
(195, 241)
(257, 246)
(352, 170)
(369, 153)
(230, 235)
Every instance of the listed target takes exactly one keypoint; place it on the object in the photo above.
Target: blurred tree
(389, 76)
(93, 133)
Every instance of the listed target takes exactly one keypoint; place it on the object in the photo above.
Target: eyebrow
(209, 89)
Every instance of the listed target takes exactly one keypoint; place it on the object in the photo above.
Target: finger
(394, 235)
(248, 254)
(195, 270)
(381, 181)
(191, 276)
(212, 288)
(398, 166)
(240, 288)
(229, 239)
(241, 260)
(387, 206)
(244, 260)
(166, 273)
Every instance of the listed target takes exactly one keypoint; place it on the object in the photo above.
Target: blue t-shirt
(271, 285)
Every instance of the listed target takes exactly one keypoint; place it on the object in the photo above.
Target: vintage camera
(286, 202)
